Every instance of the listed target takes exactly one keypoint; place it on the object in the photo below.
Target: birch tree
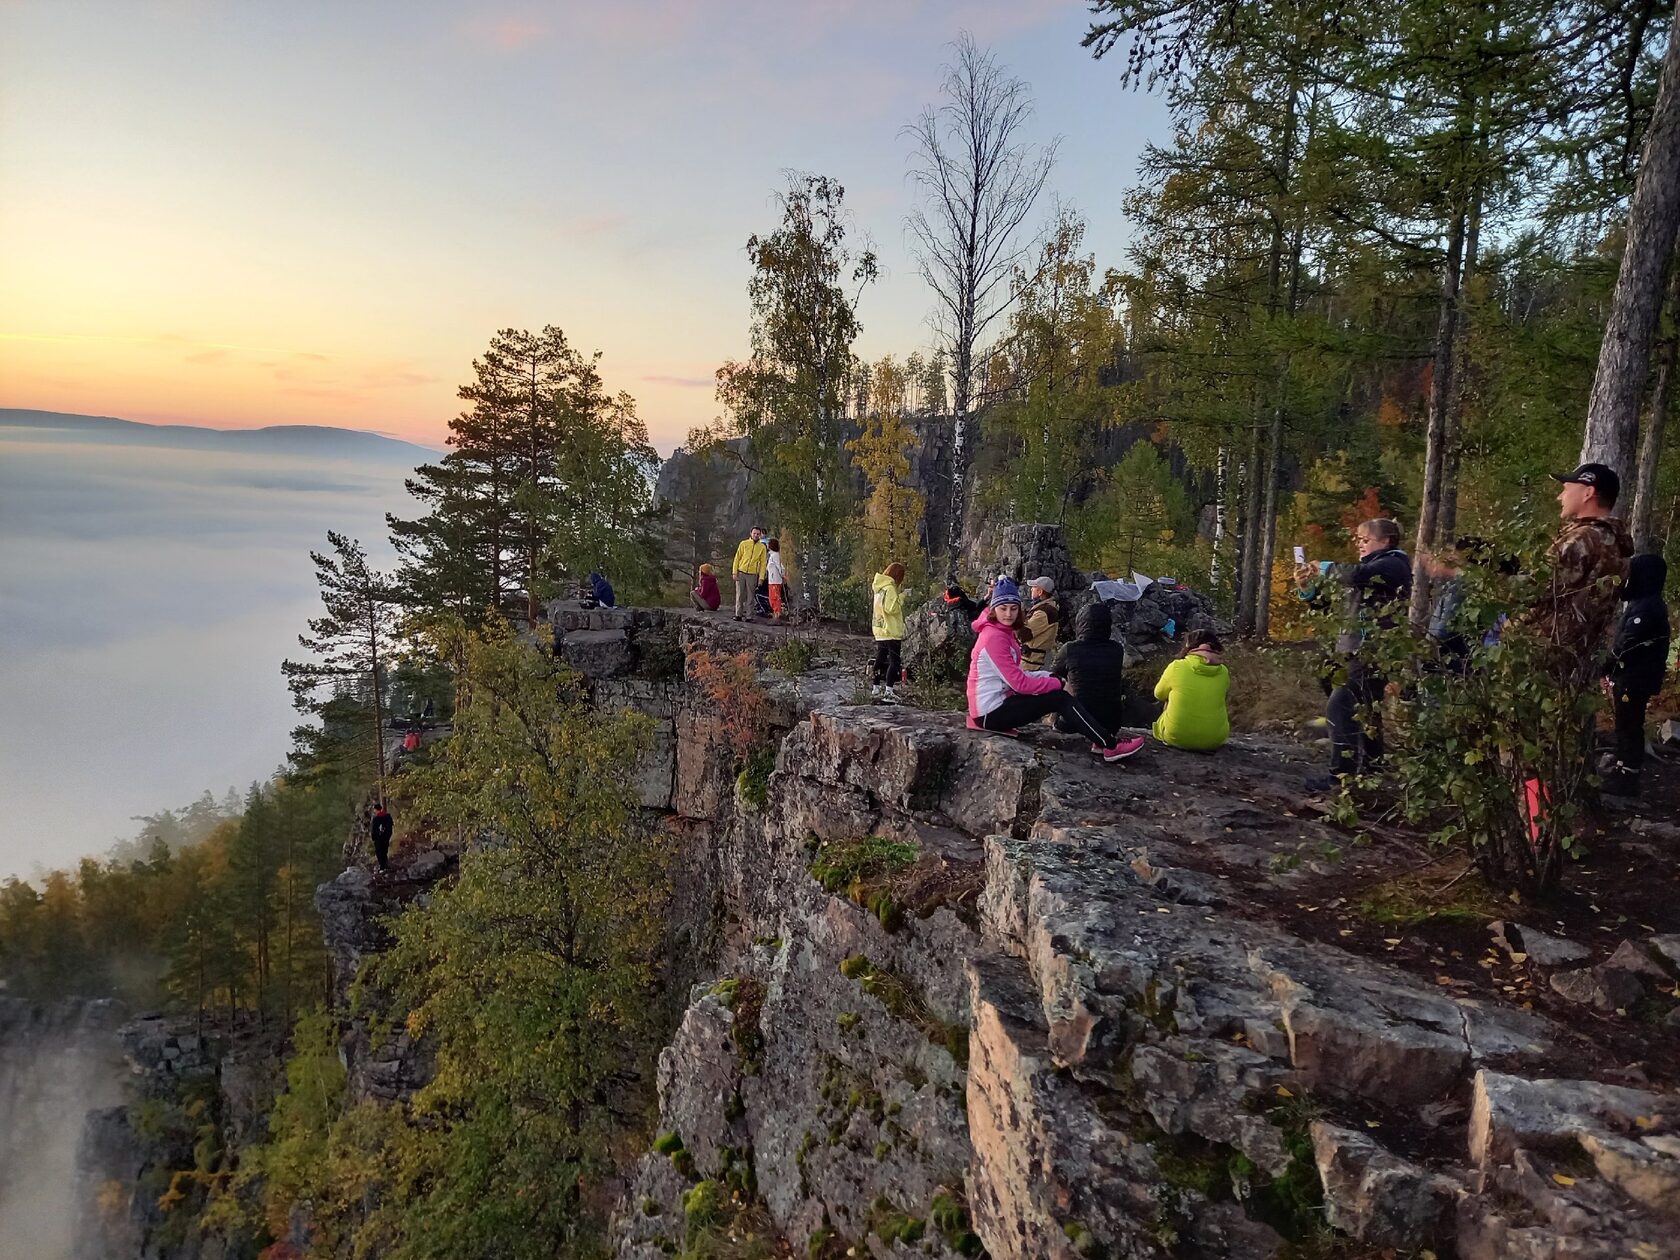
(978, 176)
(1624, 359)
(788, 399)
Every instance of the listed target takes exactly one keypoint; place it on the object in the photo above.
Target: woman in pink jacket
(1002, 696)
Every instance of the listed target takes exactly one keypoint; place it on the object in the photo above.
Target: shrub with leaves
(730, 684)
(530, 980)
(1494, 752)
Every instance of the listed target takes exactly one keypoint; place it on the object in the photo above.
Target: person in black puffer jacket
(1093, 666)
(1376, 591)
(1634, 672)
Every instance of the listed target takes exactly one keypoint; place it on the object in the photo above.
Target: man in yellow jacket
(752, 559)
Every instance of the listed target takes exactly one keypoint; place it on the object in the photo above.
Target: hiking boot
(1122, 748)
(1620, 781)
(1323, 783)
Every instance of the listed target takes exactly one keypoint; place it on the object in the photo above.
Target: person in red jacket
(706, 597)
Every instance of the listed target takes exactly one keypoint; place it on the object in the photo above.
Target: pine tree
(351, 644)
(548, 477)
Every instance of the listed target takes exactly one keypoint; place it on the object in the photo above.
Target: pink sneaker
(1122, 749)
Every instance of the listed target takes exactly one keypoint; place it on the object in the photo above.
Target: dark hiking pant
(1018, 710)
(888, 668)
(1630, 728)
(1355, 747)
(382, 852)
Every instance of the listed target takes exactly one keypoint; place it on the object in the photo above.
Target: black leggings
(1018, 710)
(1354, 746)
(888, 667)
(1630, 728)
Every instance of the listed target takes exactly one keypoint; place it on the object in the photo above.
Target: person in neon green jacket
(1194, 687)
(887, 621)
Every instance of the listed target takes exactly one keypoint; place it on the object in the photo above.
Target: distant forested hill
(308, 440)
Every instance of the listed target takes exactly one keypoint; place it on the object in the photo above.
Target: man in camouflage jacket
(1589, 560)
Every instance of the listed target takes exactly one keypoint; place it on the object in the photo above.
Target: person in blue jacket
(603, 590)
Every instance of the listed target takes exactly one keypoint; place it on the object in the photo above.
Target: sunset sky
(238, 213)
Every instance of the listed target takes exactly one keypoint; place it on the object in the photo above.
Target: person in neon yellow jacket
(1195, 687)
(887, 622)
(752, 560)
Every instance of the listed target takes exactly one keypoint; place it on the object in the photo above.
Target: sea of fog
(149, 588)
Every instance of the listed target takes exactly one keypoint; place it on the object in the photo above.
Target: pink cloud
(686, 382)
(509, 33)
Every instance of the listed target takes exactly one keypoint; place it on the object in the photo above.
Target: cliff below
(939, 992)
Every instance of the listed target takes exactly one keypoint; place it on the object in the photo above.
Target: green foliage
(890, 525)
(890, 1224)
(788, 398)
(1496, 757)
(1063, 341)
(793, 656)
(548, 478)
(949, 1214)
(530, 980)
(219, 915)
(849, 864)
(752, 785)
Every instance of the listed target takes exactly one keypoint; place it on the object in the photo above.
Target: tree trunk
(378, 712)
(1218, 520)
(1624, 357)
(1640, 520)
(1440, 396)
(1253, 510)
(962, 396)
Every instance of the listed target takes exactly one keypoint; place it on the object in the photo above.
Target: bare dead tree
(979, 178)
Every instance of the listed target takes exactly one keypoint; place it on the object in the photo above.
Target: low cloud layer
(147, 596)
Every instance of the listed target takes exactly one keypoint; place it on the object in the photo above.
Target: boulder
(1635, 961)
(1509, 1112)
(605, 653)
(1604, 988)
(1377, 1197)
(1542, 948)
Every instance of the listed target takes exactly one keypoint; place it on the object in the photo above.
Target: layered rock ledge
(982, 993)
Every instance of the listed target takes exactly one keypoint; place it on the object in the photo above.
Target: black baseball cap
(1601, 477)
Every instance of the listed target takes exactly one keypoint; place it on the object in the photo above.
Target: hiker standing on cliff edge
(1589, 563)
(1376, 586)
(380, 829)
(751, 563)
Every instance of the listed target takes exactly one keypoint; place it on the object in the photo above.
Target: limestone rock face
(1101, 1043)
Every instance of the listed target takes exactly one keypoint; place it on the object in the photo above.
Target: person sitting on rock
(1195, 687)
(1093, 667)
(1003, 697)
(706, 597)
(602, 590)
(1634, 673)
(1043, 616)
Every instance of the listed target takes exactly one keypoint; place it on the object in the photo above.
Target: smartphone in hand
(1300, 554)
